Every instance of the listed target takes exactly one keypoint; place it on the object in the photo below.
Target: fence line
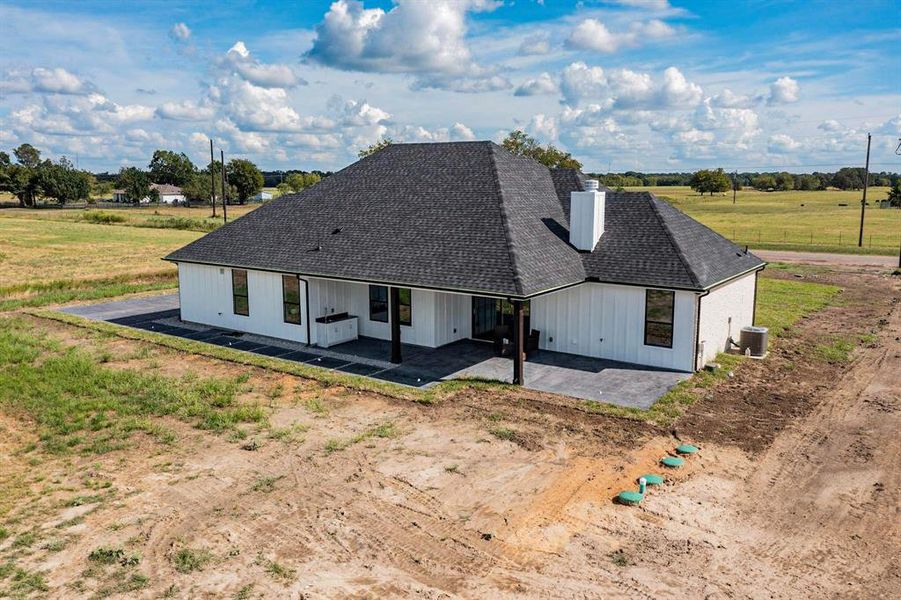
(820, 238)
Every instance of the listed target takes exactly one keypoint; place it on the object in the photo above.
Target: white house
(262, 196)
(432, 243)
(168, 194)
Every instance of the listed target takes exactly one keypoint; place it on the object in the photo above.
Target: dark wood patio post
(394, 308)
(518, 341)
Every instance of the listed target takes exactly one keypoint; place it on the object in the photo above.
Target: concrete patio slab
(581, 377)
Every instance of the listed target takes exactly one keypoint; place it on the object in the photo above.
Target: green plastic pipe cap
(672, 461)
(686, 449)
(630, 497)
(653, 479)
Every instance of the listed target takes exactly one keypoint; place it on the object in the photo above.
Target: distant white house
(262, 196)
(169, 194)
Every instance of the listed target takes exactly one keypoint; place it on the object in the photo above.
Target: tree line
(717, 180)
(29, 178)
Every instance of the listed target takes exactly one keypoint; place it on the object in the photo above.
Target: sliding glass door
(488, 313)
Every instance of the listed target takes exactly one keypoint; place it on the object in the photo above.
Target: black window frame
(236, 295)
(378, 306)
(401, 304)
(655, 322)
(286, 303)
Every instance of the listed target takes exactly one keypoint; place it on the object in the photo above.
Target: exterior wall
(205, 295)
(171, 198)
(438, 318)
(591, 319)
(724, 311)
(607, 321)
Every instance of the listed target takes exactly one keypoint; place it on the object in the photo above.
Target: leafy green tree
(810, 182)
(197, 190)
(708, 181)
(785, 182)
(104, 189)
(283, 188)
(848, 178)
(373, 148)
(28, 156)
(764, 182)
(245, 176)
(521, 144)
(135, 183)
(168, 167)
(21, 179)
(62, 182)
(5, 172)
(301, 181)
(894, 195)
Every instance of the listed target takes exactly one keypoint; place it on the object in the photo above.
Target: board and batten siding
(205, 293)
(438, 318)
(205, 296)
(724, 311)
(607, 321)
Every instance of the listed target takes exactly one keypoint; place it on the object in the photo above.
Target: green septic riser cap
(686, 449)
(630, 497)
(672, 461)
(653, 479)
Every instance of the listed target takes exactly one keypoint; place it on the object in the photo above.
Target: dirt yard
(795, 493)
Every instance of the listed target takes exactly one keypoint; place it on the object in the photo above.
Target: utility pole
(224, 188)
(863, 202)
(212, 180)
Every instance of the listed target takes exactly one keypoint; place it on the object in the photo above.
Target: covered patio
(581, 377)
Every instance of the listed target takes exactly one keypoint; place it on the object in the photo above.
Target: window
(658, 318)
(405, 300)
(291, 299)
(378, 303)
(239, 292)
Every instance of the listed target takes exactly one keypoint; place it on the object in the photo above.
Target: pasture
(795, 220)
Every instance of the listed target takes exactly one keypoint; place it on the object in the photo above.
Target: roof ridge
(669, 234)
(505, 220)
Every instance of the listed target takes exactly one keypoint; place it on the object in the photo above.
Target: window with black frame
(240, 300)
(291, 299)
(378, 303)
(405, 302)
(658, 318)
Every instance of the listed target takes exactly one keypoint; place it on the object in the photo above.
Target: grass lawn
(795, 220)
(159, 217)
(34, 251)
(78, 403)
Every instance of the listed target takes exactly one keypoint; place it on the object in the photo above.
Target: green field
(49, 262)
(198, 218)
(796, 220)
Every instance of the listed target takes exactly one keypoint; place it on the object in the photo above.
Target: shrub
(101, 217)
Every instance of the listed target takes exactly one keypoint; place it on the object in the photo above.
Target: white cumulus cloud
(592, 34)
(543, 84)
(239, 60)
(784, 90)
(426, 39)
(617, 89)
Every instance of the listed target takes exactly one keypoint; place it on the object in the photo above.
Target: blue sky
(650, 85)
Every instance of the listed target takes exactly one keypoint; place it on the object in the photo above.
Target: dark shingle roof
(465, 216)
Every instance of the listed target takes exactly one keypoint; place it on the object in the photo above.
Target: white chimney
(586, 216)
